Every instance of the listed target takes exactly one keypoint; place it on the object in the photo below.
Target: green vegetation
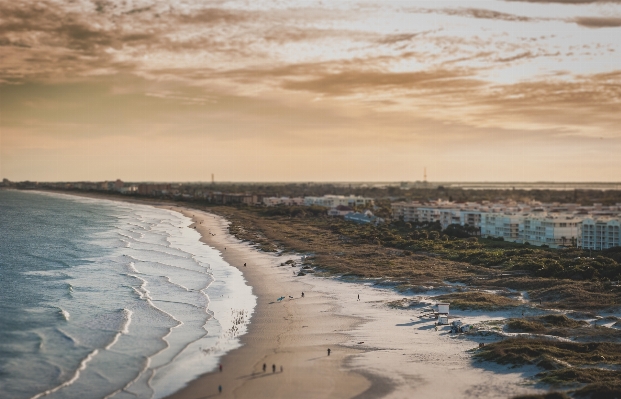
(522, 351)
(405, 303)
(567, 363)
(562, 326)
(476, 300)
(573, 264)
(549, 395)
(423, 255)
(571, 375)
(544, 324)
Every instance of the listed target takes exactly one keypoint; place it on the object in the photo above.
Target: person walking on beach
(219, 388)
(329, 351)
(244, 265)
(273, 368)
(358, 296)
(302, 295)
(264, 367)
(220, 366)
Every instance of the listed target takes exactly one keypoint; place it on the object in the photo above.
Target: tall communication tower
(425, 175)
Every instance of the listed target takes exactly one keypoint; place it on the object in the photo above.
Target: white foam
(128, 320)
(124, 328)
(73, 379)
(64, 314)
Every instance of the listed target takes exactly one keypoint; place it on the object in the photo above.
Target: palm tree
(563, 239)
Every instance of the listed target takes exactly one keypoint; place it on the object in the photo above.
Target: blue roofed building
(363, 218)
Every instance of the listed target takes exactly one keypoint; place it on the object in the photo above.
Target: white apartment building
(332, 201)
(443, 216)
(470, 218)
(600, 233)
(554, 230)
(503, 225)
(273, 201)
(408, 211)
(555, 225)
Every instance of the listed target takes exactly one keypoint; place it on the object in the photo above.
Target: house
(363, 218)
(274, 201)
(331, 201)
(340, 210)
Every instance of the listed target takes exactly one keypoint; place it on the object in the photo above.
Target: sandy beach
(377, 351)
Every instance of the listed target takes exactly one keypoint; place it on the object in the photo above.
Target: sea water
(104, 299)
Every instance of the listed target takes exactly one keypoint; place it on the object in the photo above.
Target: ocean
(104, 299)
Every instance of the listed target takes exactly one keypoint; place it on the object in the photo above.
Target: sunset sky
(174, 90)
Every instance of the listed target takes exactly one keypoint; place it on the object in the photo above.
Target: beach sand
(377, 351)
(293, 333)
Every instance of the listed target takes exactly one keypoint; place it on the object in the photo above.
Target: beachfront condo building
(553, 230)
(332, 201)
(503, 225)
(600, 233)
(286, 201)
(554, 225)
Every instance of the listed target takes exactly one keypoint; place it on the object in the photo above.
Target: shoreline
(294, 333)
(377, 351)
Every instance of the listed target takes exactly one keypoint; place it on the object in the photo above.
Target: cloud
(399, 37)
(598, 22)
(568, 1)
(296, 52)
(526, 54)
(479, 13)
(214, 16)
(485, 14)
(353, 81)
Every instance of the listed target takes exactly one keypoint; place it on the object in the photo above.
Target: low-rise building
(340, 210)
(471, 218)
(505, 225)
(274, 201)
(553, 230)
(600, 233)
(332, 201)
(154, 189)
(552, 224)
(363, 218)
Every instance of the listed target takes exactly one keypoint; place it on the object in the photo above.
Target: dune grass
(570, 364)
(477, 300)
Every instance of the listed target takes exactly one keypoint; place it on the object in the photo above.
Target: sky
(342, 90)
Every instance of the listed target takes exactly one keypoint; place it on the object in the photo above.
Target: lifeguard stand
(442, 313)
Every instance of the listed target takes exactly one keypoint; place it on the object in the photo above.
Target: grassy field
(587, 369)
(423, 256)
(476, 300)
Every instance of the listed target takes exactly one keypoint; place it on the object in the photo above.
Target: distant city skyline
(268, 91)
